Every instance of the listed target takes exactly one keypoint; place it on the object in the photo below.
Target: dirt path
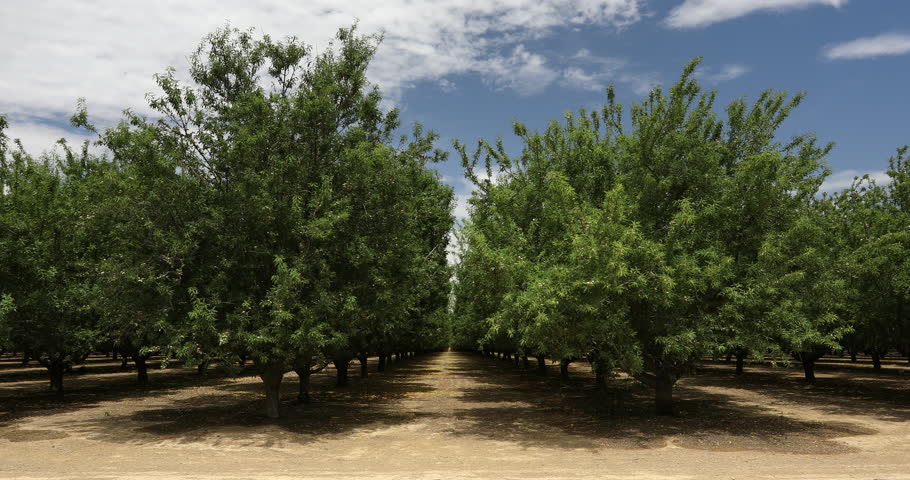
(446, 416)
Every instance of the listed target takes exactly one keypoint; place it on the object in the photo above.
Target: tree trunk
(808, 366)
(524, 362)
(141, 368)
(600, 380)
(114, 356)
(381, 367)
(729, 356)
(876, 361)
(303, 395)
(272, 380)
(541, 365)
(364, 368)
(56, 370)
(740, 360)
(124, 362)
(564, 370)
(341, 369)
(202, 368)
(663, 395)
(853, 356)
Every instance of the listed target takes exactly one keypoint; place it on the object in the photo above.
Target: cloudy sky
(466, 68)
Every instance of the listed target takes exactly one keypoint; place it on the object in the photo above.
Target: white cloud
(640, 83)
(454, 248)
(460, 212)
(701, 13)
(108, 50)
(577, 77)
(37, 137)
(842, 179)
(583, 53)
(525, 72)
(869, 47)
(446, 85)
(726, 73)
(591, 72)
(468, 185)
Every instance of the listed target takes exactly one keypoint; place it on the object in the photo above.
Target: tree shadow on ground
(229, 411)
(536, 411)
(87, 391)
(839, 390)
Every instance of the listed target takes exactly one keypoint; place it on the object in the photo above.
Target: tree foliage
(268, 212)
(646, 247)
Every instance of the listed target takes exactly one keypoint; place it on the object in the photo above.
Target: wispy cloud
(38, 137)
(725, 74)
(587, 71)
(446, 85)
(701, 13)
(842, 179)
(576, 77)
(525, 72)
(869, 47)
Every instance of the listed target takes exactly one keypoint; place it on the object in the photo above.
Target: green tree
(673, 212)
(308, 206)
(156, 239)
(899, 206)
(873, 230)
(49, 251)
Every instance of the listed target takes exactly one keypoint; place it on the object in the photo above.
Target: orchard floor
(454, 415)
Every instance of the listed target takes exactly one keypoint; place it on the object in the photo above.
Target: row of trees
(266, 213)
(644, 246)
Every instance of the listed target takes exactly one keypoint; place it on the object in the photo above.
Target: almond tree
(308, 202)
(49, 250)
(673, 209)
(155, 243)
(872, 228)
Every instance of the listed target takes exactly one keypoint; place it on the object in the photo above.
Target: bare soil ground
(454, 415)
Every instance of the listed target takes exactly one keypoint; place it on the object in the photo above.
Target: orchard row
(268, 212)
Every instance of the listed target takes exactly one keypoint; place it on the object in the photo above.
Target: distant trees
(646, 247)
(874, 228)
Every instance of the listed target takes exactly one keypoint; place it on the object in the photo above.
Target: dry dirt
(453, 415)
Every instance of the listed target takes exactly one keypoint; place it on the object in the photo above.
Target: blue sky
(466, 68)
